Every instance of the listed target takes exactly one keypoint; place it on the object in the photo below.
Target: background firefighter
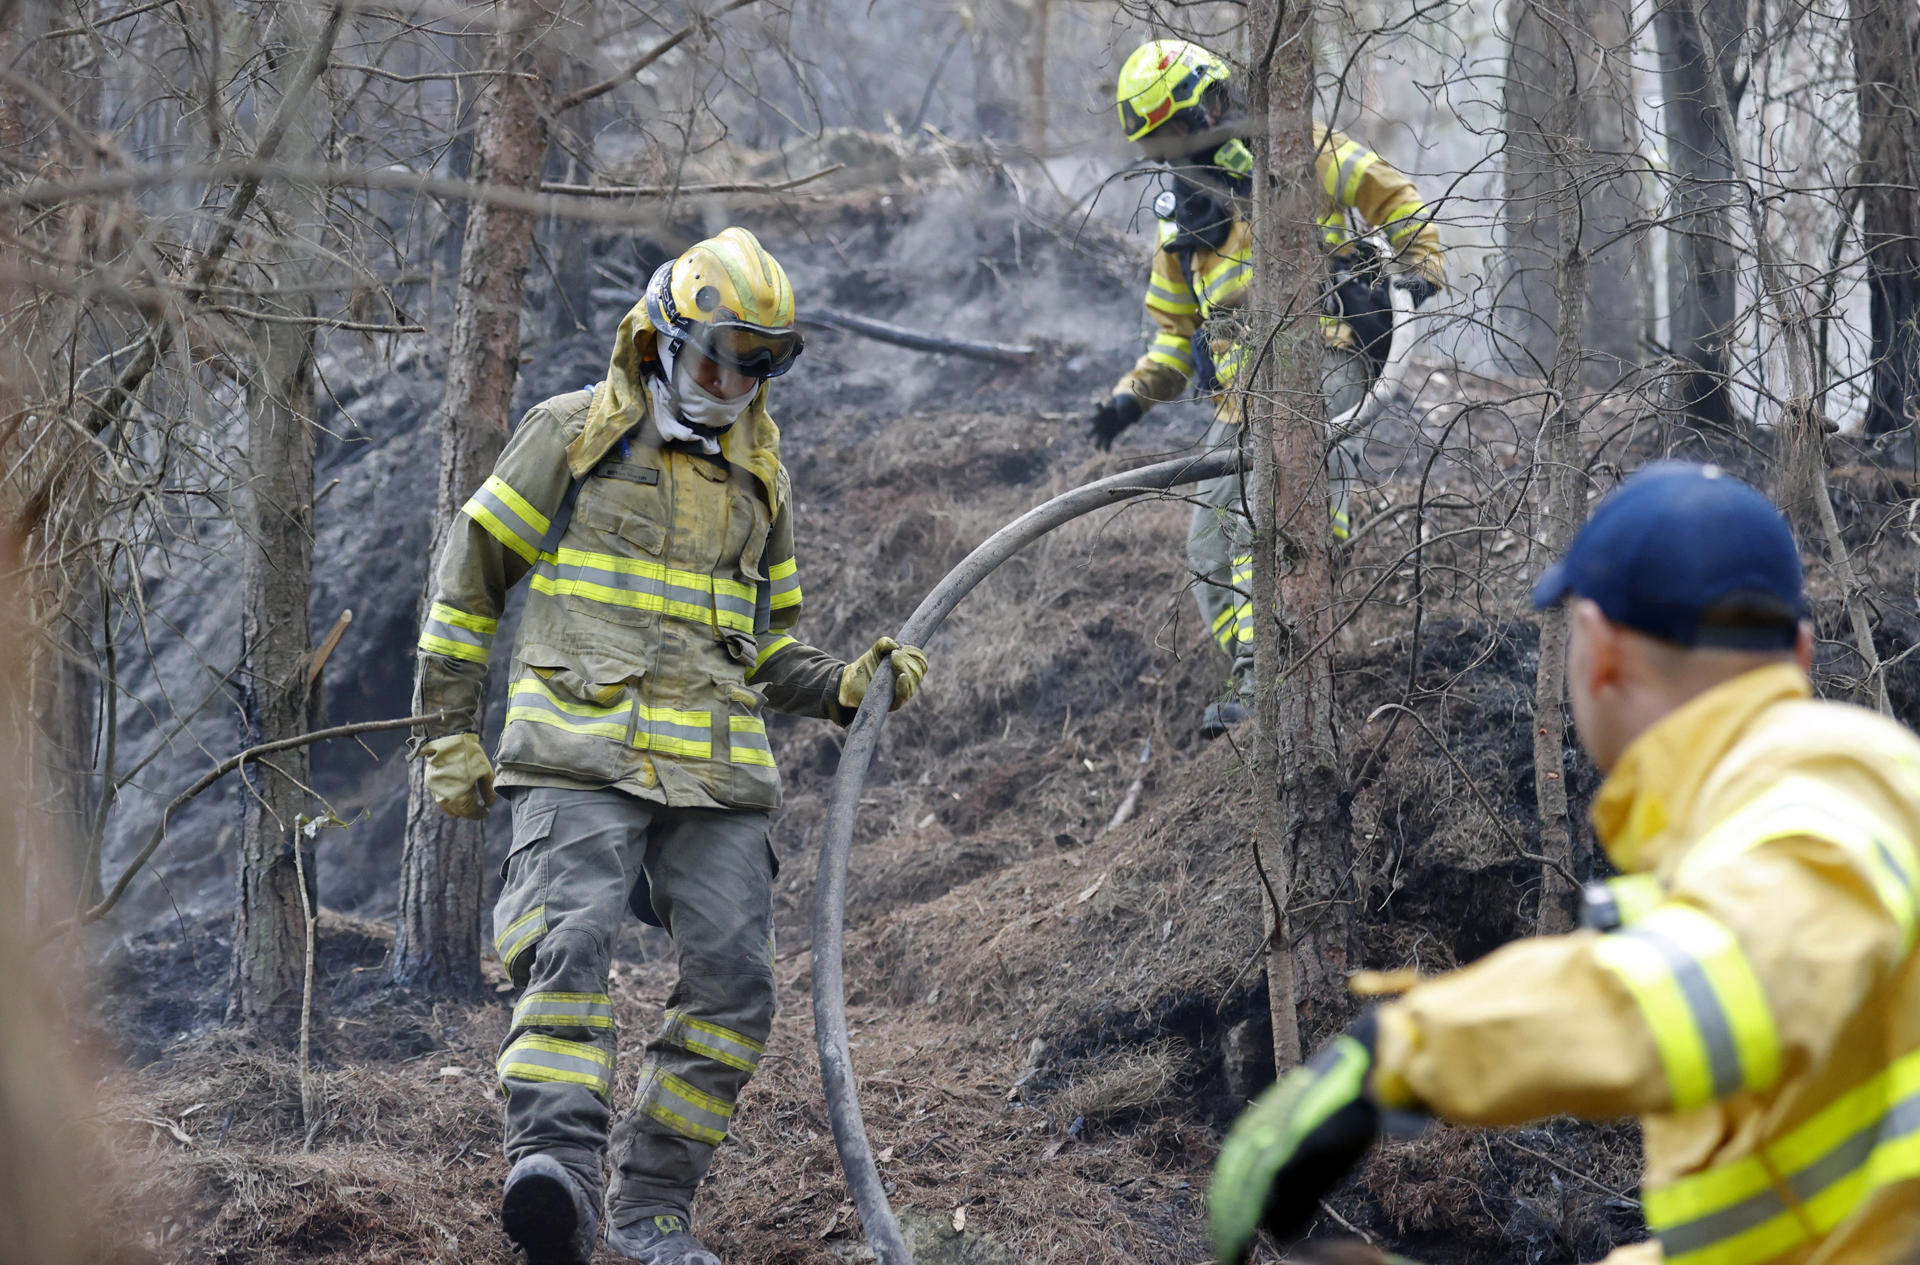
(1749, 989)
(655, 519)
(1174, 102)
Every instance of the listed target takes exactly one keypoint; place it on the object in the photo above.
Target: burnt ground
(1052, 1021)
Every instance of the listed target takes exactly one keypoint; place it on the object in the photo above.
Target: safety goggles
(754, 350)
(1138, 124)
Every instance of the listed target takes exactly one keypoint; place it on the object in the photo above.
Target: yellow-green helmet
(729, 300)
(1161, 79)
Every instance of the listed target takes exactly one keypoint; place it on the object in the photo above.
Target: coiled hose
(830, 888)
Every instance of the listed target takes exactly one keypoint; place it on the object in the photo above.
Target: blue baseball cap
(1689, 554)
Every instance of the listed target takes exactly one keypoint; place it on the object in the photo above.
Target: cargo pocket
(561, 722)
(520, 915)
(754, 778)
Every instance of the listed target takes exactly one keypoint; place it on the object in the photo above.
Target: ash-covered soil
(1052, 1020)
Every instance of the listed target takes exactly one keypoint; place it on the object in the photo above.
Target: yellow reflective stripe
(784, 577)
(1800, 806)
(1703, 1003)
(535, 1057)
(722, 1045)
(508, 517)
(458, 635)
(1223, 631)
(772, 648)
(1805, 1184)
(520, 933)
(1348, 163)
(1224, 282)
(1342, 525)
(688, 1111)
(668, 730)
(1162, 297)
(1172, 350)
(747, 741)
(647, 586)
(1404, 221)
(563, 1010)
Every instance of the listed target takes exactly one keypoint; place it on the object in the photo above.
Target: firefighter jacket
(1758, 1005)
(658, 626)
(1188, 287)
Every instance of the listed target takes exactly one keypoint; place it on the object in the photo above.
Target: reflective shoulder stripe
(1166, 231)
(1800, 806)
(535, 1057)
(563, 1010)
(1703, 1003)
(1802, 1185)
(1344, 167)
(508, 517)
(1226, 281)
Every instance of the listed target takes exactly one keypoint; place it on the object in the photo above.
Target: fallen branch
(685, 190)
(880, 331)
(1132, 799)
(206, 780)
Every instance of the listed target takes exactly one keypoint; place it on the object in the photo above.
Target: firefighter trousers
(575, 857)
(1219, 542)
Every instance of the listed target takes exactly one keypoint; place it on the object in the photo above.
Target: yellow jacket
(1760, 1014)
(1355, 181)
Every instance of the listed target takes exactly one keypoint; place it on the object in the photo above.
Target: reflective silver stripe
(687, 1111)
(1225, 284)
(1167, 299)
(722, 1045)
(563, 1010)
(508, 517)
(1703, 1003)
(536, 1057)
(784, 580)
(520, 934)
(483, 642)
(574, 572)
(1898, 1128)
(664, 729)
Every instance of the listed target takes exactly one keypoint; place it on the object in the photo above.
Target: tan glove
(459, 775)
(909, 667)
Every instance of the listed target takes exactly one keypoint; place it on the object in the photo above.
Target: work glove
(1294, 1145)
(1419, 287)
(1117, 412)
(909, 667)
(459, 775)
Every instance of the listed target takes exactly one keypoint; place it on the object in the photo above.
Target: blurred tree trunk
(1037, 77)
(1301, 840)
(1700, 251)
(1559, 130)
(1606, 159)
(1886, 57)
(997, 30)
(274, 524)
(436, 945)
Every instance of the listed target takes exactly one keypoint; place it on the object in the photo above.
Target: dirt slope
(1051, 1020)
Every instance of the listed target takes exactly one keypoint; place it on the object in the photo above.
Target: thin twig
(640, 63)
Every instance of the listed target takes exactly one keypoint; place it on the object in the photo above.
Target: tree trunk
(1886, 58)
(1302, 843)
(436, 945)
(274, 523)
(1606, 160)
(1558, 128)
(1700, 251)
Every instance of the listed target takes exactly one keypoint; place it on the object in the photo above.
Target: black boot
(662, 1240)
(547, 1214)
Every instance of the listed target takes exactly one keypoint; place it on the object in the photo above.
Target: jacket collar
(1653, 788)
(621, 402)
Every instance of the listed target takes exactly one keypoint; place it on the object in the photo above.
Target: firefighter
(1174, 103)
(656, 521)
(1749, 987)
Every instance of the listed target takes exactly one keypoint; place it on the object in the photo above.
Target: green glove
(1294, 1145)
(909, 667)
(459, 775)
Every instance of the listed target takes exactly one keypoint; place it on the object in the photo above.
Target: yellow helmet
(729, 300)
(1162, 78)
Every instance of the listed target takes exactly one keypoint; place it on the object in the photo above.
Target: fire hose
(856, 756)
